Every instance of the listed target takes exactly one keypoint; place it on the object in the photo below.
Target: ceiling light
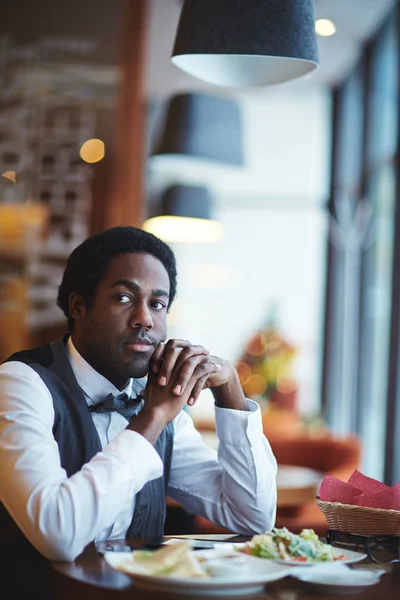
(199, 127)
(184, 229)
(247, 43)
(185, 216)
(325, 27)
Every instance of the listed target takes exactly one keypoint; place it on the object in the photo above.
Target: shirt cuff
(141, 458)
(238, 427)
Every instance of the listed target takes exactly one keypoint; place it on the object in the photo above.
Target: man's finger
(193, 369)
(172, 357)
(197, 389)
(156, 359)
(190, 351)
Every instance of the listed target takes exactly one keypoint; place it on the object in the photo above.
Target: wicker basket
(360, 520)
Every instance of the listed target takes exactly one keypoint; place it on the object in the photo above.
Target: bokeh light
(92, 150)
(255, 385)
(325, 27)
(285, 385)
(257, 345)
(244, 372)
(11, 175)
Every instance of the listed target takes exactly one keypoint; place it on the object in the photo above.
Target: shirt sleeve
(61, 515)
(234, 487)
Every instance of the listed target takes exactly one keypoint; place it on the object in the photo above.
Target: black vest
(78, 442)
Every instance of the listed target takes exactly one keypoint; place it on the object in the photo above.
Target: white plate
(325, 588)
(339, 580)
(351, 557)
(256, 575)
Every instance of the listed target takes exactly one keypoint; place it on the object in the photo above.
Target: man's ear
(76, 305)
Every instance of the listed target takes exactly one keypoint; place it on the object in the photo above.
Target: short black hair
(88, 263)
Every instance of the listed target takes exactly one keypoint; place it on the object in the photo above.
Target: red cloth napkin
(360, 490)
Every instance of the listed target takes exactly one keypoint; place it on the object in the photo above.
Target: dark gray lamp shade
(185, 215)
(203, 127)
(187, 201)
(245, 43)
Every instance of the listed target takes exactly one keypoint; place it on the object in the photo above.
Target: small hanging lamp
(246, 43)
(186, 216)
(202, 128)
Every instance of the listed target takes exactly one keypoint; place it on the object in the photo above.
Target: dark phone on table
(159, 541)
(196, 544)
(200, 544)
(115, 548)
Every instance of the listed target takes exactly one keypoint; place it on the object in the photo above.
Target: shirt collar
(94, 385)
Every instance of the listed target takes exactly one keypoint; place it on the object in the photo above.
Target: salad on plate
(281, 544)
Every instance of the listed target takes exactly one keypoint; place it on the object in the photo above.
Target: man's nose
(141, 317)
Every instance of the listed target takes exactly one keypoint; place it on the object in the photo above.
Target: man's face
(117, 335)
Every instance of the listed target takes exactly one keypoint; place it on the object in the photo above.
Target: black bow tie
(119, 403)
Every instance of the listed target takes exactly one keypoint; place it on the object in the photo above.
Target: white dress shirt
(234, 487)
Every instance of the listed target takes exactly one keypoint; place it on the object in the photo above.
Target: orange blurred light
(92, 150)
(244, 372)
(285, 385)
(273, 344)
(257, 345)
(11, 175)
(19, 222)
(255, 385)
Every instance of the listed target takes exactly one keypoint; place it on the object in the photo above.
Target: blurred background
(291, 266)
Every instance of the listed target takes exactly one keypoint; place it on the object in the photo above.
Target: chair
(329, 455)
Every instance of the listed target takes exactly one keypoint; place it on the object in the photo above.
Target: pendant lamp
(186, 216)
(246, 43)
(201, 128)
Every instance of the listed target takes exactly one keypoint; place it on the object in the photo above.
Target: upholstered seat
(328, 455)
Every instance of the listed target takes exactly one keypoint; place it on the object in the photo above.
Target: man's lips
(141, 344)
(140, 347)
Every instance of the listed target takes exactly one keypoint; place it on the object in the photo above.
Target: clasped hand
(179, 371)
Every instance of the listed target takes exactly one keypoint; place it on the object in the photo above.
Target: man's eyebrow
(134, 287)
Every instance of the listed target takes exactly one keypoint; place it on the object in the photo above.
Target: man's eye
(157, 305)
(122, 298)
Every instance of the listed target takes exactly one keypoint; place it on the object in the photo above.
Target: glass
(347, 231)
(377, 263)
(335, 344)
(349, 153)
(383, 96)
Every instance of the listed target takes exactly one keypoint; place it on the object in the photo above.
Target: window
(362, 299)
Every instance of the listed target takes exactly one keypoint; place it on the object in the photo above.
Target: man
(85, 454)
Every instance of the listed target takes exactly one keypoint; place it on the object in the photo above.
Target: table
(90, 577)
(296, 485)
